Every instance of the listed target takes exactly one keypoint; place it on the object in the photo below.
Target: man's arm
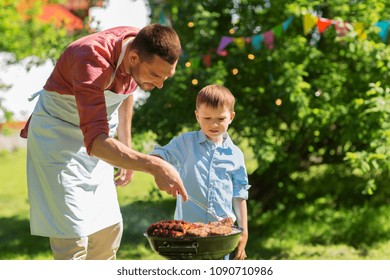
(125, 111)
(118, 154)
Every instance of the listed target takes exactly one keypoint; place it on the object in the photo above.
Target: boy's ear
(232, 115)
(196, 114)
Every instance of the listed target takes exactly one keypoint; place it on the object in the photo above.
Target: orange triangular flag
(323, 24)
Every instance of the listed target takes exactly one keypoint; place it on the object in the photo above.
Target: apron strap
(24, 131)
(126, 43)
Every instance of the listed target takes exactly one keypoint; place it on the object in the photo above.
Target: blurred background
(311, 80)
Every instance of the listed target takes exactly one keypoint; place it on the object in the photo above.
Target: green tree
(311, 100)
(24, 35)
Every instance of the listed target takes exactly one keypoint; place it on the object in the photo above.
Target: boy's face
(214, 121)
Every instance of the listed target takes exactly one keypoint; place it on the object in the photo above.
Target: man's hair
(156, 39)
(215, 96)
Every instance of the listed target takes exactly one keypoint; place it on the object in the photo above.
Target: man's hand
(123, 177)
(168, 180)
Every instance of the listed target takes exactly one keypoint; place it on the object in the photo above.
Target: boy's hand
(240, 254)
(240, 250)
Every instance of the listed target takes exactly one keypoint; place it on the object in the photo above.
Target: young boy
(211, 166)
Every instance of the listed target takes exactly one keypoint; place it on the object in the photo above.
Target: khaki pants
(101, 245)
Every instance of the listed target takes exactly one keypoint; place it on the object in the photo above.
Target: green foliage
(25, 35)
(323, 229)
(322, 223)
(309, 101)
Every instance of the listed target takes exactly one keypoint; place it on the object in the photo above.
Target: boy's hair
(156, 39)
(215, 96)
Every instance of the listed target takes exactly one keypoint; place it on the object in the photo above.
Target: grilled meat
(220, 230)
(178, 228)
(201, 230)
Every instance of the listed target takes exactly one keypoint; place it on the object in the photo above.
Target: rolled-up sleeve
(240, 183)
(90, 77)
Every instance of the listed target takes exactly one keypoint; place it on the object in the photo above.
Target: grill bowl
(195, 248)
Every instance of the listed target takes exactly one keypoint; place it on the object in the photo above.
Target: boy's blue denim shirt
(211, 174)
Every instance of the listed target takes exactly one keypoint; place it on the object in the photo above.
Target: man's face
(149, 75)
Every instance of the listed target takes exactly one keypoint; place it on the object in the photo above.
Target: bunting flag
(240, 42)
(223, 43)
(384, 29)
(277, 30)
(222, 53)
(207, 60)
(323, 24)
(359, 29)
(195, 62)
(342, 28)
(269, 39)
(257, 41)
(164, 20)
(309, 21)
(287, 23)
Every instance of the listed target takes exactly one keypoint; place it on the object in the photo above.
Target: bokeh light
(251, 56)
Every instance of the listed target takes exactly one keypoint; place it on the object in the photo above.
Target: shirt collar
(202, 138)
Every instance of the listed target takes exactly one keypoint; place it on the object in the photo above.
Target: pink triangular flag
(269, 39)
(341, 28)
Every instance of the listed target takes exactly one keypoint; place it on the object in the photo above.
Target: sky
(117, 12)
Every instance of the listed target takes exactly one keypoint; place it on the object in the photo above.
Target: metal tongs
(205, 208)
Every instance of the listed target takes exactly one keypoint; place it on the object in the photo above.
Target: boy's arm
(172, 152)
(240, 209)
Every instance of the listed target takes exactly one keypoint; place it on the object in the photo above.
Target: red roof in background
(83, 4)
(70, 14)
(60, 16)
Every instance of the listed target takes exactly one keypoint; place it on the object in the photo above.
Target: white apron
(71, 194)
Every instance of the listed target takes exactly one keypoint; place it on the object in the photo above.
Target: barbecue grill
(195, 248)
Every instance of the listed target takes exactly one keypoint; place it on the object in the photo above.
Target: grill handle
(169, 248)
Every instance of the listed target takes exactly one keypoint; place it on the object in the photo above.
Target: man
(71, 149)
